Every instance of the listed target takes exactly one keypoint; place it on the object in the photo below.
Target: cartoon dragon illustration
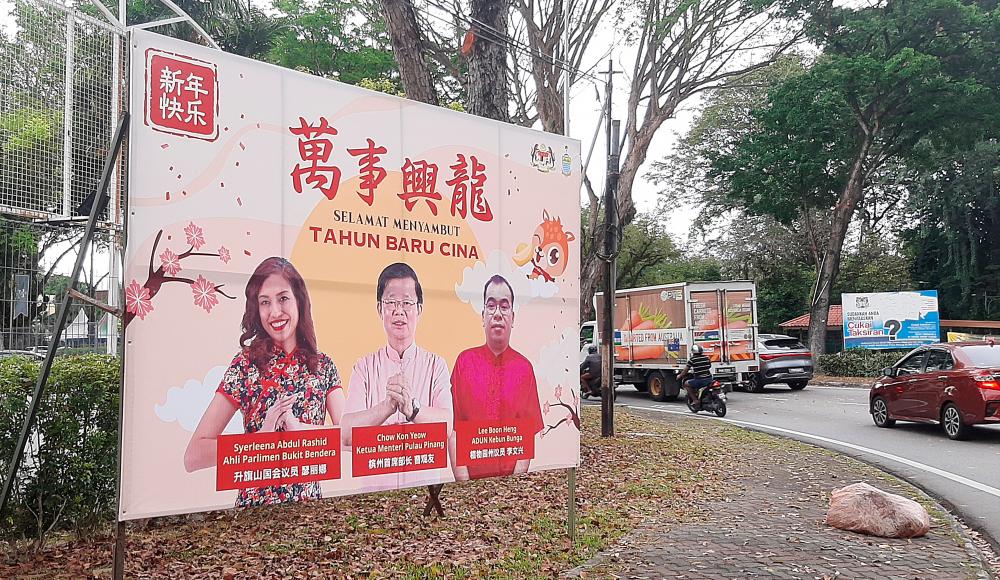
(548, 251)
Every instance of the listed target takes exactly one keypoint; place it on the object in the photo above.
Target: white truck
(656, 326)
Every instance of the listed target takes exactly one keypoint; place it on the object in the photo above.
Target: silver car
(783, 359)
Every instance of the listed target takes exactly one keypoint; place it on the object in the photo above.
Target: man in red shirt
(494, 383)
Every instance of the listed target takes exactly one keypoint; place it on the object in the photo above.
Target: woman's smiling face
(279, 311)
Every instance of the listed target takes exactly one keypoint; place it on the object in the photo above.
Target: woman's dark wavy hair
(255, 340)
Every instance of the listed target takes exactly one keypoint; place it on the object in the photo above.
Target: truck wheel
(656, 383)
(673, 386)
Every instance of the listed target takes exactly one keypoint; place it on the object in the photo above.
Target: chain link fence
(62, 89)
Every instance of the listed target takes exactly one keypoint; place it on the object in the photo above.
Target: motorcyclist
(590, 373)
(699, 367)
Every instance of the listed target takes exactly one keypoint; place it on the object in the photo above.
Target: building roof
(836, 320)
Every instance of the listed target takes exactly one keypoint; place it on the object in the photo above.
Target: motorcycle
(710, 398)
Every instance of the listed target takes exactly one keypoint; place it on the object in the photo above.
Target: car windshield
(783, 344)
(982, 355)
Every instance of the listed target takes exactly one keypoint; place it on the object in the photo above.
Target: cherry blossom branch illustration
(572, 416)
(139, 298)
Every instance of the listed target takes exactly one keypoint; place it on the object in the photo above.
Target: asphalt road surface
(964, 475)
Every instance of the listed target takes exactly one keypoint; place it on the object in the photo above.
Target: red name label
(399, 448)
(277, 458)
(484, 442)
(181, 95)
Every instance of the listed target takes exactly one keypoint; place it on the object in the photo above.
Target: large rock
(862, 508)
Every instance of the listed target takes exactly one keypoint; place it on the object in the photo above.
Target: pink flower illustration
(138, 300)
(545, 408)
(204, 293)
(195, 236)
(559, 391)
(171, 262)
(224, 254)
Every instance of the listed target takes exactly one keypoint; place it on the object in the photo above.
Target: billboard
(882, 320)
(333, 291)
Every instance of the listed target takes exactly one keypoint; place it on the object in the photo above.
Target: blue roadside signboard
(881, 320)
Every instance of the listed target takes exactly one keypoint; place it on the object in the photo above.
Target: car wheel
(951, 421)
(656, 383)
(797, 385)
(880, 413)
(754, 383)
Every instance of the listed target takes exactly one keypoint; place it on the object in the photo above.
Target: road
(964, 475)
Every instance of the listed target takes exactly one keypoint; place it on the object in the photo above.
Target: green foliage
(67, 479)
(387, 86)
(875, 267)
(726, 116)
(390, 87)
(647, 253)
(782, 294)
(858, 362)
(341, 39)
(649, 256)
(952, 237)
(28, 127)
(797, 153)
(890, 75)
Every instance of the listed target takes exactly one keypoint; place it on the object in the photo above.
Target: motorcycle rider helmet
(697, 349)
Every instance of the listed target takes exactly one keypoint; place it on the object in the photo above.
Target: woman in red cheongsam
(279, 380)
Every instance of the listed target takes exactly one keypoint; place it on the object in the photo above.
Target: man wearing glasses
(399, 383)
(494, 382)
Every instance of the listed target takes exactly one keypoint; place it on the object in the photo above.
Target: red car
(954, 384)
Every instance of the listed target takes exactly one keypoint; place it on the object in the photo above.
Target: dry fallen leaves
(514, 526)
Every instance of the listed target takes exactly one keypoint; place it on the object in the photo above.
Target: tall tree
(891, 75)
(487, 90)
(952, 235)
(407, 45)
(682, 49)
(545, 23)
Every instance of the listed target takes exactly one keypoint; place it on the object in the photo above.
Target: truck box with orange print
(656, 326)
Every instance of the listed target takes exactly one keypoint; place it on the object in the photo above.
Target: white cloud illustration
(561, 359)
(470, 290)
(187, 404)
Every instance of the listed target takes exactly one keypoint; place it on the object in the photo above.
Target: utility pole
(607, 332)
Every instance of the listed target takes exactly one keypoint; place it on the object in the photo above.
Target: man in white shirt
(399, 383)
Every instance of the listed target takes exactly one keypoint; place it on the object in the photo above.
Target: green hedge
(858, 362)
(67, 476)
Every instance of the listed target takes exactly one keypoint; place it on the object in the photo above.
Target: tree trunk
(488, 93)
(591, 278)
(853, 192)
(549, 104)
(401, 21)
